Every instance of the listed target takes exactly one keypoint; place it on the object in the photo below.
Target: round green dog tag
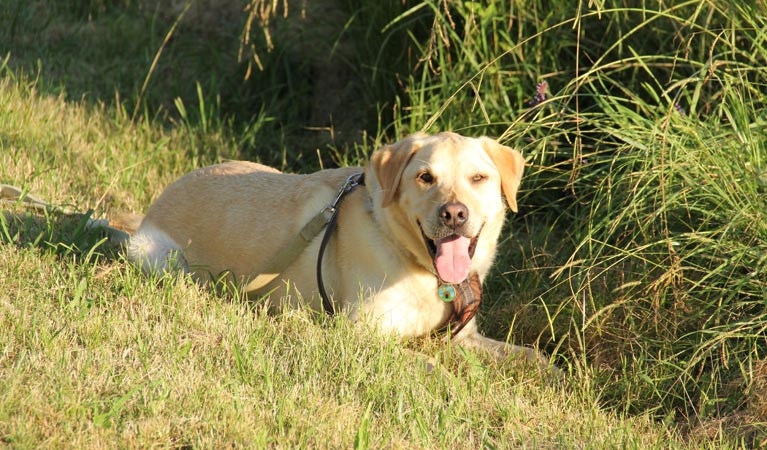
(446, 292)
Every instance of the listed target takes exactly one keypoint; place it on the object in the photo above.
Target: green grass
(637, 261)
(95, 355)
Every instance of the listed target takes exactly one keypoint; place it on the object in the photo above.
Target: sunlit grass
(637, 261)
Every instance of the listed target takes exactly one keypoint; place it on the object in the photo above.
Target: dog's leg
(155, 252)
(470, 338)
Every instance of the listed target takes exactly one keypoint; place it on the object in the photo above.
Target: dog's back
(229, 218)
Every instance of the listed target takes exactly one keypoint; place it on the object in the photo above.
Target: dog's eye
(478, 178)
(426, 177)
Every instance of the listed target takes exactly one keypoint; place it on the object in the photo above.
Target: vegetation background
(638, 260)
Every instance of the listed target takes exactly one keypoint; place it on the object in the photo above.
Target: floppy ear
(389, 162)
(510, 164)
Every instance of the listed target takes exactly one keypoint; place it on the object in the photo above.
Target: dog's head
(441, 198)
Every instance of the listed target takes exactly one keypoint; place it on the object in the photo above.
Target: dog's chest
(409, 306)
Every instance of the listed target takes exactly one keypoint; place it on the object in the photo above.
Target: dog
(428, 216)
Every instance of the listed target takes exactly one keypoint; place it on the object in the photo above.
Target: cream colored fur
(235, 217)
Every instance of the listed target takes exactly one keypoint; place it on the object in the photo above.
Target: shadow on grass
(58, 232)
(184, 67)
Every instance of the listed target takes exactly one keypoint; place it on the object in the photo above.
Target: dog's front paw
(533, 357)
(502, 351)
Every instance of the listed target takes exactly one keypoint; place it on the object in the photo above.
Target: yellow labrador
(430, 214)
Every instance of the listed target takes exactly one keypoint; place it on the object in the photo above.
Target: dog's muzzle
(449, 245)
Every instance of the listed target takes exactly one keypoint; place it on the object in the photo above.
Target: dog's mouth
(451, 255)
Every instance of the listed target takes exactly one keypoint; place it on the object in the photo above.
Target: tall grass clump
(644, 129)
(670, 267)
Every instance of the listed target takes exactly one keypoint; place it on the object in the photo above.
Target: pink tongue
(453, 260)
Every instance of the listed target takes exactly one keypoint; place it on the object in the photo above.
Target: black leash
(358, 179)
(465, 297)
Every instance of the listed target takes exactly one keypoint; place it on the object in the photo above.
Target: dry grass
(627, 261)
(95, 355)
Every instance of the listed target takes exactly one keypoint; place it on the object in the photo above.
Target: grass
(637, 260)
(95, 355)
(138, 364)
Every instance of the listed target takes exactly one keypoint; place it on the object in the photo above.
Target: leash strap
(303, 238)
(294, 249)
(10, 193)
(465, 304)
(358, 179)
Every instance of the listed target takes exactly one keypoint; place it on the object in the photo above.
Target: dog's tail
(127, 222)
(120, 228)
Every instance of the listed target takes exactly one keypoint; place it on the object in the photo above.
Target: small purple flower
(679, 108)
(540, 94)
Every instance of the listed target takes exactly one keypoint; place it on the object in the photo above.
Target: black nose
(454, 215)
